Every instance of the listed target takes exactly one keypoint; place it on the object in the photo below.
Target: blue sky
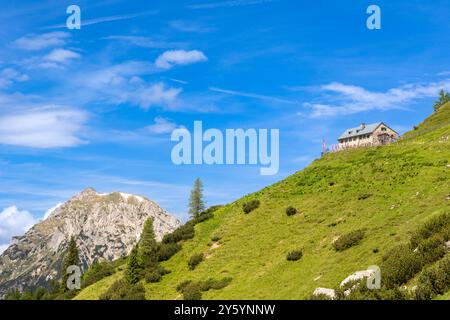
(95, 107)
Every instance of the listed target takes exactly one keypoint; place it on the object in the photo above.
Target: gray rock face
(105, 226)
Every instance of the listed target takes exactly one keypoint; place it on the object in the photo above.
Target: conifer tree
(148, 247)
(196, 203)
(71, 259)
(134, 270)
(444, 97)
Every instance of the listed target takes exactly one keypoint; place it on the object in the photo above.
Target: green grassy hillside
(385, 191)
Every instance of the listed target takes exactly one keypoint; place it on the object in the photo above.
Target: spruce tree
(134, 270)
(444, 97)
(196, 203)
(71, 259)
(148, 247)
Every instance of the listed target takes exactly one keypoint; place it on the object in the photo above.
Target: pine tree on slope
(148, 247)
(196, 203)
(71, 259)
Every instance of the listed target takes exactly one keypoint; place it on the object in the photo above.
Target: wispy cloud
(145, 42)
(88, 22)
(156, 94)
(162, 125)
(178, 81)
(8, 76)
(35, 42)
(122, 83)
(232, 3)
(61, 55)
(57, 58)
(179, 57)
(354, 99)
(44, 127)
(253, 95)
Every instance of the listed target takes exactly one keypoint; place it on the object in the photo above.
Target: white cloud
(61, 56)
(162, 125)
(46, 127)
(179, 57)
(154, 95)
(354, 99)
(13, 223)
(9, 75)
(231, 3)
(41, 41)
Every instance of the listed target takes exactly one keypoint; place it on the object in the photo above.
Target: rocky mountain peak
(105, 226)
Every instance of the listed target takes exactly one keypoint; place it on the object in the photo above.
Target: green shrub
(364, 196)
(152, 277)
(220, 284)
(250, 206)
(212, 284)
(182, 285)
(434, 280)
(122, 290)
(348, 240)
(96, 272)
(203, 217)
(215, 238)
(437, 225)
(431, 249)
(290, 211)
(193, 290)
(184, 232)
(155, 273)
(294, 255)
(167, 250)
(399, 265)
(195, 260)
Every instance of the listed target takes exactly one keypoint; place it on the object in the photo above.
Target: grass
(407, 181)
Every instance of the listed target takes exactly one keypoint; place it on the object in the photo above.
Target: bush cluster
(290, 211)
(427, 245)
(195, 260)
(294, 255)
(184, 232)
(192, 290)
(155, 274)
(348, 240)
(215, 238)
(122, 290)
(434, 280)
(250, 206)
(167, 250)
(96, 272)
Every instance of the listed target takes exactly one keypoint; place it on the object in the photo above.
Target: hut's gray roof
(362, 129)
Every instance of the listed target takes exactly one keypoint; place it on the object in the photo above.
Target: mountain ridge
(105, 226)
